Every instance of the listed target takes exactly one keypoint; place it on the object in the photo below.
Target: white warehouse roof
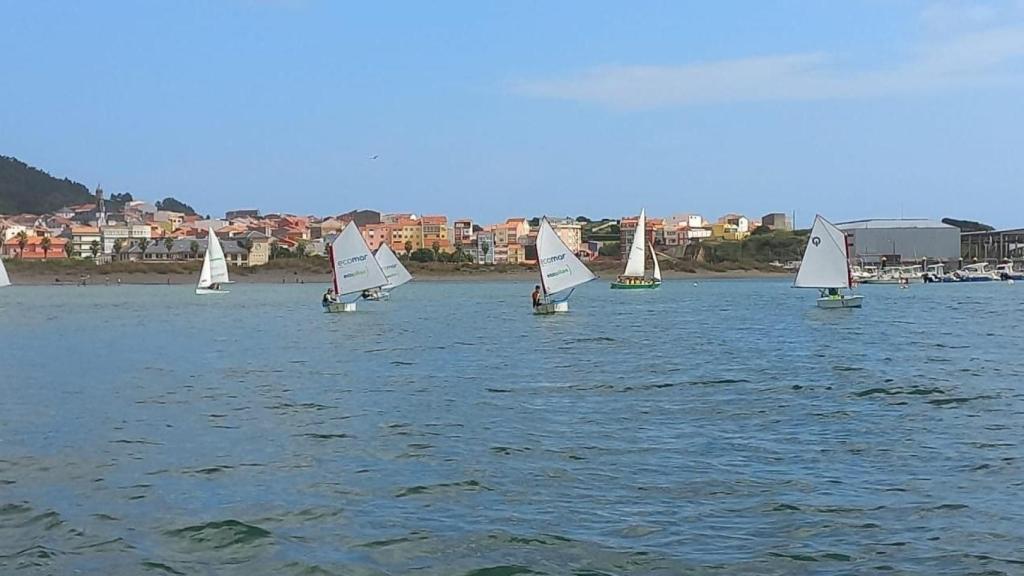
(893, 223)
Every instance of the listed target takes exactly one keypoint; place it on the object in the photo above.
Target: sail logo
(551, 259)
(816, 241)
(351, 260)
(560, 272)
(362, 272)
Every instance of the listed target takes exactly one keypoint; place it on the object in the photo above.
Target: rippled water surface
(724, 428)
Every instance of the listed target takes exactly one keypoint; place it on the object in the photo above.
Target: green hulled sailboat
(635, 276)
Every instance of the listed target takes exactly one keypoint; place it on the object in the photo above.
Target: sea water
(723, 427)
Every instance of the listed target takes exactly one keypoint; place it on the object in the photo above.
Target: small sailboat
(657, 268)
(354, 270)
(826, 266)
(215, 268)
(5, 280)
(560, 271)
(393, 269)
(635, 275)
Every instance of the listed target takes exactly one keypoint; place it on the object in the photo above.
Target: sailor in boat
(831, 293)
(328, 298)
(372, 294)
(536, 296)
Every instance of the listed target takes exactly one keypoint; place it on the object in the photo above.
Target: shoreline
(149, 278)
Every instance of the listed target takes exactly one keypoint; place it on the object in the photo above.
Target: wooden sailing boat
(560, 271)
(635, 275)
(215, 268)
(354, 270)
(826, 266)
(396, 273)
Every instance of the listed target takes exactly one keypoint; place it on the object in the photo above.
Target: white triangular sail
(657, 269)
(825, 262)
(560, 269)
(218, 265)
(635, 263)
(204, 275)
(5, 280)
(392, 267)
(355, 268)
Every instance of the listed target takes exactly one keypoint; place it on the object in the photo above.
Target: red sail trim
(334, 269)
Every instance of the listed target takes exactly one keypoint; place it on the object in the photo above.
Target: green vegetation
(609, 249)
(757, 249)
(174, 205)
(27, 189)
(968, 225)
(435, 255)
(600, 230)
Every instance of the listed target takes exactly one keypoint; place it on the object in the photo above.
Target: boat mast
(849, 271)
(334, 269)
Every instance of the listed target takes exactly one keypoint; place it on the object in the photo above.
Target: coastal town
(122, 229)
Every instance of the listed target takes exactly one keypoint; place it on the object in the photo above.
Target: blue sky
(487, 109)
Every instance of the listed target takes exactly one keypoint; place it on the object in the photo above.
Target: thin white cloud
(983, 52)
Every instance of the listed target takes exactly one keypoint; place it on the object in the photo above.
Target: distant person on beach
(536, 296)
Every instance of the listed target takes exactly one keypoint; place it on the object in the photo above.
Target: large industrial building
(909, 240)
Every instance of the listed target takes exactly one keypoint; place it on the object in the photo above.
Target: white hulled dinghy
(215, 268)
(826, 267)
(355, 272)
(394, 270)
(560, 271)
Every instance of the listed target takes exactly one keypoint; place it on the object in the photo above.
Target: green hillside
(27, 189)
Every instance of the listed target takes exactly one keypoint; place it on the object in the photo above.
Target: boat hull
(551, 308)
(851, 301)
(339, 307)
(210, 291)
(645, 285)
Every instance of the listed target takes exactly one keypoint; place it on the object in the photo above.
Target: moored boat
(1005, 271)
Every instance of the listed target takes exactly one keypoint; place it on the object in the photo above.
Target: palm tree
(484, 249)
(143, 245)
(436, 247)
(68, 249)
(118, 246)
(408, 246)
(193, 249)
(94, 248)
(22, 242)
(45, 244)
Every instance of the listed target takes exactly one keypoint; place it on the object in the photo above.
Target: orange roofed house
(34, 248)
(434, 230)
